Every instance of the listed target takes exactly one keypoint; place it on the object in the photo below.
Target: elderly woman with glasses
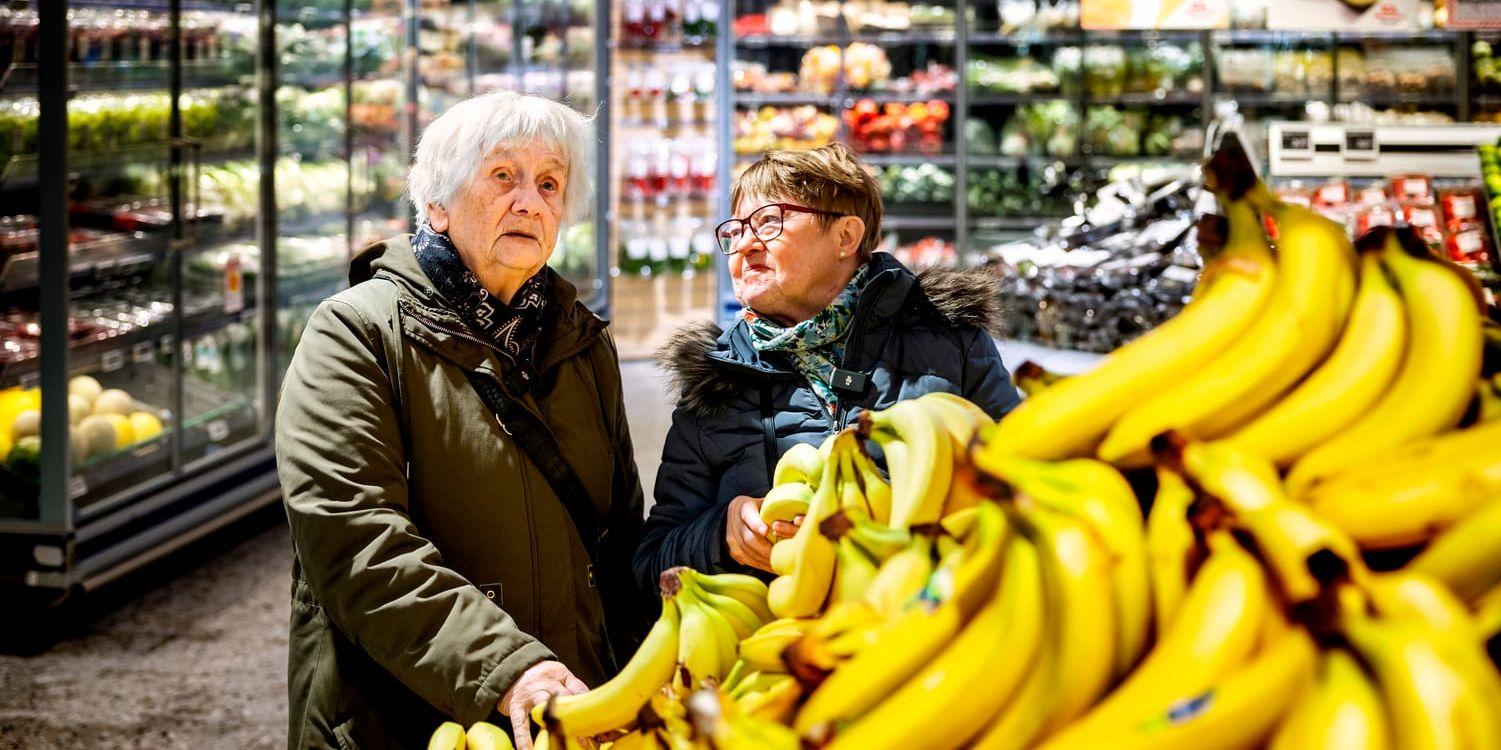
(829, 329)
(454, 455)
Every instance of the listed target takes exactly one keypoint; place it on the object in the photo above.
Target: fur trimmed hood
(962, 298)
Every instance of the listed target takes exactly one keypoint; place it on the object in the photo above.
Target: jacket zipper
(526, 485)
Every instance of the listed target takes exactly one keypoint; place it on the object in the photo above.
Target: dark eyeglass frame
(746, 227)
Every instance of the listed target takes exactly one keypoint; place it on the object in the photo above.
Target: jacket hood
(702, 384)
(573, 326)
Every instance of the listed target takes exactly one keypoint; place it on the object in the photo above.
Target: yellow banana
(762, 651)
(853, 571)
(1398, 511)
(902, 576)
(783, 557)
(1215, 631)
(1097, 494)
(1405, 594)
(615, 703)
(741, 619)
(1356, 374)
(1433, 386)
(920, 475)
(972, 410)
(638, 740)
(1032, 378)
(1078, 568)
(1488, 622)
(912, 637)
(877, 489)
(801, 463)
(879, 540)
(950, 700)
(1022, 719)
(543, 740)
(1343, 711)
(1431, 701)
(1294, 332)
(960, 418)
(449, 736)
(748, 590)
(774, 701)
(698, 645)
(1238, 712)
(1172, 545)
(785, 502)
(802, 591)
(1069, 418)
(483, 735)
(1303, 550)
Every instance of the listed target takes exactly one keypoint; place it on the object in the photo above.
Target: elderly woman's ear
(437, 217)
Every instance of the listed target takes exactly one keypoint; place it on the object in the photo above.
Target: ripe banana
(1304, 551)
(1173, 549)
(1239, 711)
(1432, 702)
(1293, 333)
(762, 651)
(483, 735)
(1408, 595)
(1215, 631)
(878, 540)
(448, 736)
(1356, 374)
(741, 618)
(951, 699)
(1032, 378)
(698, 646)
(1467, 557)
(921, 474)
(1022, 719)
(853, 571)
(773, 701)
(802, 591)
(615, 703)
(912, 637)
(801, 463)
(784, 502)
(1434, 384)
(960, 418)
(749, 590)
(1400, 510)
(902, 576)
(1069, 418)
(1343, 711)
(1097, 494)
(877, 489)
(1077, 567)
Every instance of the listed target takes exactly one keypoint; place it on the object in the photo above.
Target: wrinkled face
(505, 220)
(793, 276)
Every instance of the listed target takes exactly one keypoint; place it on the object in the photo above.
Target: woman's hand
(745, 533)
(538, 683)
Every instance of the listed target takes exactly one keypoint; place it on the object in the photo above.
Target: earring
(843, 255)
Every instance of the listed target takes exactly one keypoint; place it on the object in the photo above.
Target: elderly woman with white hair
(454, 456)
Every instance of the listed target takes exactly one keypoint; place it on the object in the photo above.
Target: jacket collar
(568, 329)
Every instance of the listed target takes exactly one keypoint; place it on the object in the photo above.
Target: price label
(234, 285)
(112, 360)
(143, 352)
(77, 487)
(218, 430)
(1297, 143)
(1360, 144)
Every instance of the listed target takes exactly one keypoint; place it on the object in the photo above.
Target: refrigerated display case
(181, 183)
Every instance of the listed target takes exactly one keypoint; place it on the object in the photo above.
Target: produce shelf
(1007, 161)
(124, 254)
(1152, 98)
(790, 99)
(918, 223)
(1397, 100)
(883, 160)
(1143, 36)
(1026, 38)
(1268, 100)
(1262, 36)
(907, 38)
(787, 40)
(901, 98)
(1008, 223)
(132, 76)
(1013, 99)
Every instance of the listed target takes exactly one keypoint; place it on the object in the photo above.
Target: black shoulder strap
(768, 433)
(535, 438)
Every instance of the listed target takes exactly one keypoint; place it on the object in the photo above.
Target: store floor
(192, 651)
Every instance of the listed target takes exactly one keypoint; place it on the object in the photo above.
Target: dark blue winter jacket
(739, 409)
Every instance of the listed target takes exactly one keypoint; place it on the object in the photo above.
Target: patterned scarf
(815, 345)
(515, 328)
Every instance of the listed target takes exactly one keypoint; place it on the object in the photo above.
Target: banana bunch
(481, 735)
(1032, 378)
(1310, 351)
(696, 638)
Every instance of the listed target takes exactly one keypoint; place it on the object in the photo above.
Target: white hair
(454, 145)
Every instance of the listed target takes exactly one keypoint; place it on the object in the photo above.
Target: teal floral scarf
(816, 345)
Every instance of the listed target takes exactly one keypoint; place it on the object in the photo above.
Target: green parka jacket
(434, 563)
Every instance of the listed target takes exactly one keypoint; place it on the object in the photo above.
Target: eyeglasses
(764, 223)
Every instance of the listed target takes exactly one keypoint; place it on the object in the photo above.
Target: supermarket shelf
(313, 80)
(918, 223)
(1013, 99)
(1143, 36)
(902, 98)
(885, 160)
(1009, 223)
(1422, 37)
(131, 76)
(1261, 36)
(1004, 161)
(1268, 100)
(1152, 98)
(786, 40)
(114, 256)
(907, 38)
(311, 18)
(1486, 100)
(792, 99)
(21, 170)
(1026, 38)
(1100, 160)
(1397, 100)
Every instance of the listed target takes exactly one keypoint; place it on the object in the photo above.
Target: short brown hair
(829, 177)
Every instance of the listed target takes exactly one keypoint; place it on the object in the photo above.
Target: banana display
(1275, 521)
